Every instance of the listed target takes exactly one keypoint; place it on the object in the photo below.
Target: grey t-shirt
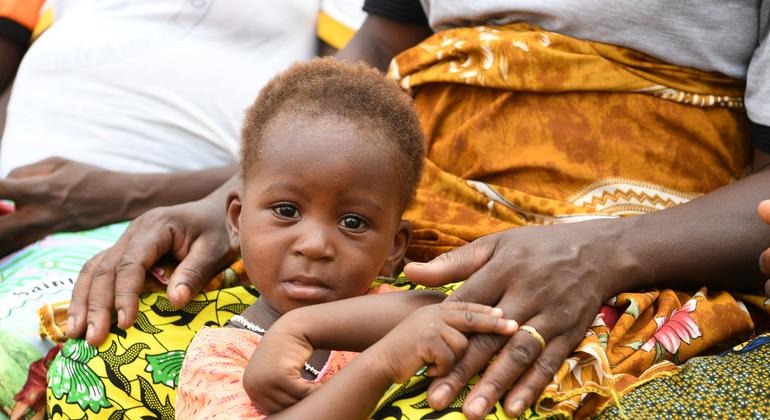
(726, 36)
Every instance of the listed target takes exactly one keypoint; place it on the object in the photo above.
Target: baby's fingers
(468, 321)
(456, 305)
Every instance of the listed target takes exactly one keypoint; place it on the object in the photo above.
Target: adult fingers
(101, 297)
(764, 210)
(454, 265)
(764, 262)
(195, 270)
(469, 321)
(534, 381)
(477, 289)
(521, 351)
(480, 349)
(43, 167)
(76, 313)
(9, 190)
(138, 253)
(458, 305)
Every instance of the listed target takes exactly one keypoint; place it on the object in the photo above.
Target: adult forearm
(380, 39)
(355, 324)
(148, 191)
(10, 57)
(715, 240)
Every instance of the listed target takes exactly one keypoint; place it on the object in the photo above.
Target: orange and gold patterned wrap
(526, 127)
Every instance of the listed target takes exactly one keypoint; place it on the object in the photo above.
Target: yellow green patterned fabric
(134, 373)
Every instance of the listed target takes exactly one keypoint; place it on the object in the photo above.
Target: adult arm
(113, 279)
(554, 278)
(11, 54)
(17, 18)
(62, 195)
(380, 39)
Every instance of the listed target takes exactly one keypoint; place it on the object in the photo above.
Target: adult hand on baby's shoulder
(194, 233)
(57, 194)
(552, 279)
(273, 379)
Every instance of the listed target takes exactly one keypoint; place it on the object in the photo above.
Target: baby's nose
(315, 243)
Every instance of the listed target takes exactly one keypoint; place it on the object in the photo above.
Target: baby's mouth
(304, 288)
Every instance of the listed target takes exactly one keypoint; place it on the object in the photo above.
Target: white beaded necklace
(245, 323)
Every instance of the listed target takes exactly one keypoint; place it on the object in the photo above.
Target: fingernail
(121, 318)
(441, 396)
(497, 312)
(70, 324)
(516, 408)
(478, 407)
(89, 333)
(511, 325)
(182, 291)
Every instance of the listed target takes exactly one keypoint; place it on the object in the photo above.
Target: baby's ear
(233, 209)
(400, 243)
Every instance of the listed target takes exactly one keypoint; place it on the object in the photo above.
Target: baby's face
(318, 218)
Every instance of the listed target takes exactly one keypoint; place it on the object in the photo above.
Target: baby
(331, 157)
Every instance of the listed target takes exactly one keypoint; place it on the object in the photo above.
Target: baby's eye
(352, 222)
(286, 211)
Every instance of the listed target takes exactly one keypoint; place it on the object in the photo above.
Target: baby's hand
(764, 259)
(272, 378)
(433, 336)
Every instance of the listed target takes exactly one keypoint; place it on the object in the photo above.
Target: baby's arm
(355, 324)
(272, 378)
(432, 336)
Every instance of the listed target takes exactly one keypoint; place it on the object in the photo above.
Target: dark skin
(58, 194)
(554, 278)
(414, 332)
(11, 54)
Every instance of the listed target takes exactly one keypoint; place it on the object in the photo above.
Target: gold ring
(536, 335)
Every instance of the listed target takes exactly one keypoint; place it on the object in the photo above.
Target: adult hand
(56, 195)
(553, 279)
(764, 260)
(194, 233)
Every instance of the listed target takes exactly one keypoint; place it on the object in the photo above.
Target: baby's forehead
(327, 134)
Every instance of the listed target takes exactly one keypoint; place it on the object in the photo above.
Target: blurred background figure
(118, 107)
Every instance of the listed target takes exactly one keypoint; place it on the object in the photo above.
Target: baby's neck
(262, 313)
(265, 315)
